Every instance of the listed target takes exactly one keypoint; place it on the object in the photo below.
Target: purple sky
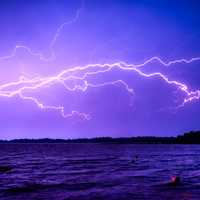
(71, 69)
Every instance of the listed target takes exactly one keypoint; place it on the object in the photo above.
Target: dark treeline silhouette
(192, 137)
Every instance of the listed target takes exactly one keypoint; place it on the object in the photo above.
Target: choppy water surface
(98, 171)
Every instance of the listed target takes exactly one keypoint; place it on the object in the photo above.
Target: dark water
(98, 171)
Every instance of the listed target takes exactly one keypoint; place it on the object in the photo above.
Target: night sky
(71, 69)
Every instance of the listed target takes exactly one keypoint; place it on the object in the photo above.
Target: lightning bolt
(81, 73)
(52, 42)
(24, 84)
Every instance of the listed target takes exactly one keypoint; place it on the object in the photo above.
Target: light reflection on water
(99, 171)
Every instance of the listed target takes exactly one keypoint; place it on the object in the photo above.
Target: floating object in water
(175, 180)
(5, 169)
(135, 159)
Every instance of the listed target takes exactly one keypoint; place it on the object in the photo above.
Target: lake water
(99, 171)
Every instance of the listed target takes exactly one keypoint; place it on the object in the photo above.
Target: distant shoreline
(192, 137)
